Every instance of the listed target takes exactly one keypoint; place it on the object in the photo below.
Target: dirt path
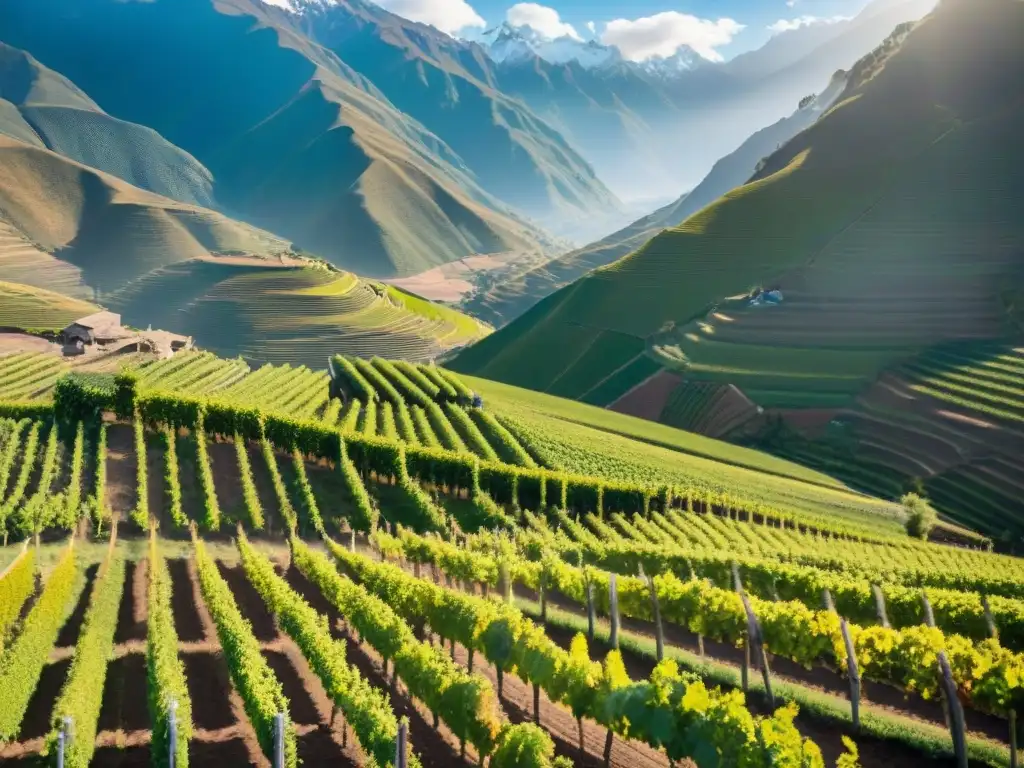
(226, 481)
(121, 491)
(331, 494)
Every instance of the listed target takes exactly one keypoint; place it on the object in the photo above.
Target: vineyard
(389, 564)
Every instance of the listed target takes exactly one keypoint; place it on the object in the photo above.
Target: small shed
(97, 328)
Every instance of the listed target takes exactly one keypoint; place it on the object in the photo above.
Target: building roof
(100, 322)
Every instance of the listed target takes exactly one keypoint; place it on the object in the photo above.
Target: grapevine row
(604, 693)
(22, 663)
(280, 491)
(407, 389)
(307, 501)
(988, 676)
(463, 700)
(164, 669)
(383, 387)
(140, 514)
(16, 585)
(73, 495)
(443, 429)
(416, 376)
(172, 478)
(42, 510)
(495, 432)
(204, 473)
(82, 694)
(360, 387)
(958, 612)
(250, 497)
(444, 387)
(252, 677)
(366, 709)
(474, 438)
(17, 492)
(98, 501)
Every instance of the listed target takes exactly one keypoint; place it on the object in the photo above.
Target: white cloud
(788, 25)
(449, 16)
(663, 33)
(592, 27)
(542, 19)
(791, 3)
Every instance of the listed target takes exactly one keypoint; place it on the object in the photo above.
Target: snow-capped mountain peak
(683, 60)
(508, 43)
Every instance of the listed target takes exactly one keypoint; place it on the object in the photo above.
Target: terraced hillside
(889, 225)
(949, 422)
(280, 314)
(24, 306)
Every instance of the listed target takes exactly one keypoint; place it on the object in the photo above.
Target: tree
(807, 100)
(921, 518)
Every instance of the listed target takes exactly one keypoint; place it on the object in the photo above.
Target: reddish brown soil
(647, 399)
(226, 481)
(131, 617)
(36, 723)
(121, 757)
(332, 497)
(249, 602)
(184, 600)
(121, 492)
(125, 701)
(73, 626)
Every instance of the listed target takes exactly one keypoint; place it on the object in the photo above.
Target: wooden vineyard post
(830, 604)
(951, 705)
(883, 618)
(613, 605)
(505, 582)
(172, 732)
(401, 741)
(993, 630)
(352, 540)
(956, 712)
(754, 639)
(279, 740)
(745, 669)
(1013, 739)
(590, 610)
(659, 631)
(853, 670)
(543, 594)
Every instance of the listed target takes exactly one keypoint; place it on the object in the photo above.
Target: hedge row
(529, 488)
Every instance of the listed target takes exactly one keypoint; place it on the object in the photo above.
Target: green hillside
(870, 221)
(295, 130)
(23, 306)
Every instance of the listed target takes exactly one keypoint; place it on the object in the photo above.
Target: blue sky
(715, 28)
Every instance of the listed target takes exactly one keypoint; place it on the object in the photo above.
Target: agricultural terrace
(448, 575)
(284, 314)
(951, 418)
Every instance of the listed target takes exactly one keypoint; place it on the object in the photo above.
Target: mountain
(888, 225)
(291, 137)
(653, 129)
(508, 43)
(69, 228)
(509, 299)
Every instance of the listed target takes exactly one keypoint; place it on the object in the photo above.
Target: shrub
(921, 518)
